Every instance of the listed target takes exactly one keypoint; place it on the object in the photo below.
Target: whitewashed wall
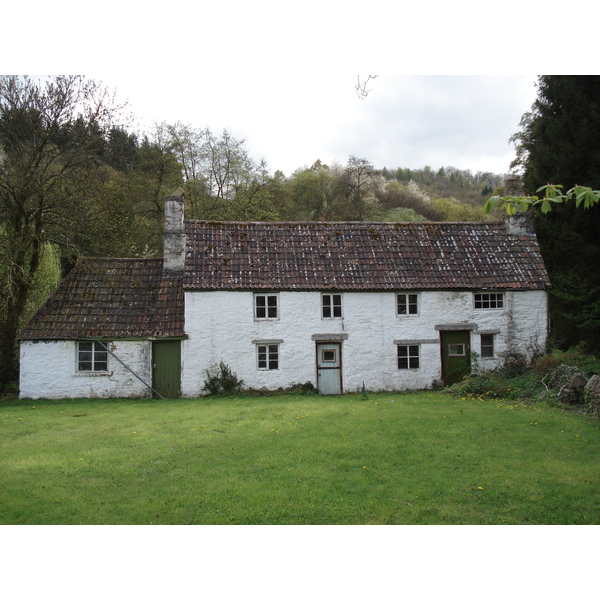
(49, 370)
(221, 327)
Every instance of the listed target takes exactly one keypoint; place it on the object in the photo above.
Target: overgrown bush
(224, 381)
(555, 378)
(496, 384)
(588, 362)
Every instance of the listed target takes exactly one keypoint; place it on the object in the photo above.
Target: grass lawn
(413, 458)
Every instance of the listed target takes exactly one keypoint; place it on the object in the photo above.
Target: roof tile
(111, 298)
(360, 256)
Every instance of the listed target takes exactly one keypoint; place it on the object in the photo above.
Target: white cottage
(391, 306)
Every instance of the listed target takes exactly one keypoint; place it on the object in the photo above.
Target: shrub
(225, 381)
(588, 362)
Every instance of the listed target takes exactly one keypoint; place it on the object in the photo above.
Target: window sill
(92, 374)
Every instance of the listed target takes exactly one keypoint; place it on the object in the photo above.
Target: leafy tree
(51, 136)
(215, 169)
(559, 143)
(361, 183)
(313, 192)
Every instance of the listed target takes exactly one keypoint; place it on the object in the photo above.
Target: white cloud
(406, 121)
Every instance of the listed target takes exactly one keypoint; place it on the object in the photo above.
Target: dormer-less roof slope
(112, 298)
(360, 256)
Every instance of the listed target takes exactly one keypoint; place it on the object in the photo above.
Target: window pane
(332, 305)
(408, 357)
(401, 300)
(262, 357)
(261, 311)
(489, 300)
(407, 304)
(273, 357)
(413, 307)
(487, 346)
(268, 357)
(337, 305)
(456, 350)
(328, 356)
(85, 357)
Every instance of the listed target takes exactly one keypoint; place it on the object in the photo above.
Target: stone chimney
(174, 235)
(520, 224)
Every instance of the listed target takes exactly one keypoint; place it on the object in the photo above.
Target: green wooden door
(456, 355)
(166, 368)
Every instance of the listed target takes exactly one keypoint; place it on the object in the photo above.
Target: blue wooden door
(329, 368)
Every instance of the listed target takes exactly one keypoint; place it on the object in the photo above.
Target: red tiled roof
(116, 298)
(360, 256)
(111, 298)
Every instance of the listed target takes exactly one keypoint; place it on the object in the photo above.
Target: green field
(414, 458)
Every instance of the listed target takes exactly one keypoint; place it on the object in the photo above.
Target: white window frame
(456, 350)
(411, 300)
(329, 304)
(488, 300)
(413, 353)
(267, 308)
(268, 356)
(98, 357)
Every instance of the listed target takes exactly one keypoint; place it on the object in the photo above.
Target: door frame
(338, 364)
(159, 370)
(463, 368)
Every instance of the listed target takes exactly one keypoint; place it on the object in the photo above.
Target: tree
(215, 169)
(51, 135)
(559, 142)
(361, 182)
(313, 192)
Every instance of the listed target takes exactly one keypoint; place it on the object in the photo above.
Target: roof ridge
(328, 223)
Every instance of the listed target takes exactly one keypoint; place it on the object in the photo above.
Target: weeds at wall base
(538, 382)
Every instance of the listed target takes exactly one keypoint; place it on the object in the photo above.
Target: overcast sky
(405, 121)
(453, 80)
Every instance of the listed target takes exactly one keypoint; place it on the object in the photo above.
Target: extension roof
(111, 298)
(360, 256)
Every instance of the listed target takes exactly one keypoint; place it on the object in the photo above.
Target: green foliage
(541, 381)
(451, 209)
(581, 195)
(559, 141)
(401, 215)
(45, 281)
(222, 382)
(579, 357)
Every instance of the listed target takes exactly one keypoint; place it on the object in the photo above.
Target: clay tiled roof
(360, 256)
(111, 298)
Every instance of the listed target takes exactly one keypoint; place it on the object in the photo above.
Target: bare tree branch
(361, 88)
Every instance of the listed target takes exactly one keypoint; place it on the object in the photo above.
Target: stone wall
(49, 370)
(221, 327)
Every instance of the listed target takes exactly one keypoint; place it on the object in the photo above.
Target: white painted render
(221, 327)
(49, 370)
